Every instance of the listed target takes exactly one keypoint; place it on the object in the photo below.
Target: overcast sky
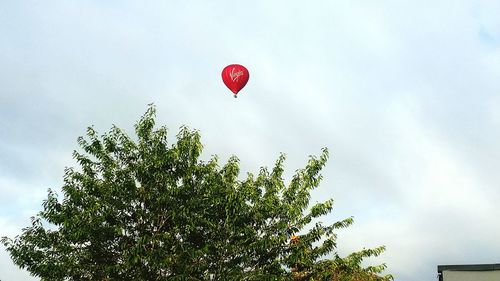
(405, 94)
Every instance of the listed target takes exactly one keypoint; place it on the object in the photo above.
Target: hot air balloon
(235, 77)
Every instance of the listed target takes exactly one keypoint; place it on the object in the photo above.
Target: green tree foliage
(145, 209)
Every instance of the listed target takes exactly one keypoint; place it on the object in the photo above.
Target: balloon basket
(235, 96)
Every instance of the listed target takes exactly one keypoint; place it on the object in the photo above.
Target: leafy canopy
(148, 210)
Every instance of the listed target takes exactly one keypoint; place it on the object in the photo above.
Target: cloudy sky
(405, 94)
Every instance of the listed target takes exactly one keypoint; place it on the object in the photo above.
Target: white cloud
(404, 94)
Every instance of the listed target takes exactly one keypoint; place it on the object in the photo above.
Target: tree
(146, 210)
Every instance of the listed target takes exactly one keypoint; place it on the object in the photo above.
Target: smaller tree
(146, 210)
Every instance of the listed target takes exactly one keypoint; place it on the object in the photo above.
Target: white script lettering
(235, 75)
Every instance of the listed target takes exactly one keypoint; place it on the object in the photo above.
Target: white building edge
(469, 272)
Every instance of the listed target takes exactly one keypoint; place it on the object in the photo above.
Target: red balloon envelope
(235, 77)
